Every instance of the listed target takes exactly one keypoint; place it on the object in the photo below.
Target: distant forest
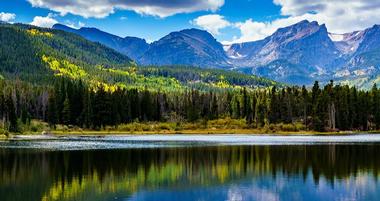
(59, 78)
(70, 102)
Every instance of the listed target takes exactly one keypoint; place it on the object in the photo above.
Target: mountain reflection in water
(299, 172)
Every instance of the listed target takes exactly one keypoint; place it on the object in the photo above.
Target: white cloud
(252, 30)
(74, 25)
(211, 23)
(81, 24)
(103, 8)
(47, 21)
(340, 16)
(7, 17)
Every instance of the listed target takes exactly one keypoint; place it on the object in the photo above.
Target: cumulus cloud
(340, 16)
(211, 23)
(252, 30)
(103, 8)
(47, 21)
(7, 17)
(74, 25)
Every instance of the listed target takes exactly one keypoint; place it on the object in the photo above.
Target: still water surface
(205, 168)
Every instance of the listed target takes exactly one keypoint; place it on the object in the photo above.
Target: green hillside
(37, 55)
(22, 48)
(69, 82)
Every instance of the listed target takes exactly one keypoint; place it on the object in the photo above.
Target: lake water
(222, 167)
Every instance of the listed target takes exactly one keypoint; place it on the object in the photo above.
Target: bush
(300, 126)
(227, 123)
(4, 132)
(272, 127)
(34, 126)
(166, 126)
(288, 127)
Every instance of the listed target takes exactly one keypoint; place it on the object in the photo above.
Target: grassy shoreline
(189, 132)
(212, 127)
(238, 131)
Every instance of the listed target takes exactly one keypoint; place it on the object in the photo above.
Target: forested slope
(38, 55)
(60, 78)
(22, 48)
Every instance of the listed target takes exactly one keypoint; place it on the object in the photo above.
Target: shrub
(166, 126)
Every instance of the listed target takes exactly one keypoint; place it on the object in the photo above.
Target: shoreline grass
(204, 132)
(211, 127)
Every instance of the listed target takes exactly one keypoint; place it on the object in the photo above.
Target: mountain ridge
(39, 55)
(130, 46)
(305, 50)
(187, 47)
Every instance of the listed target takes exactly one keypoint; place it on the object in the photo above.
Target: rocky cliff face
(362, 66)
(303, 51)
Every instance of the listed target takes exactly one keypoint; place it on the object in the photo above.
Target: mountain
(187, 47)
(362, 67)
(297, 54)
(306, 51)
(303, 50)
(39, 55)
(36, 54)
(347, 43)
(131, 46)
(371, 40)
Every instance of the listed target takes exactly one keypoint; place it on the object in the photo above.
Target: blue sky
(227, 20)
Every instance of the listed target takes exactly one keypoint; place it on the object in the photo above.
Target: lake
(195, 167)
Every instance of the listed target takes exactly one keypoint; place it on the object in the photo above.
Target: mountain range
(297, 54)
(40, 55)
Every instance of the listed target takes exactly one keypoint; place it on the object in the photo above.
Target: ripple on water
(158, 141)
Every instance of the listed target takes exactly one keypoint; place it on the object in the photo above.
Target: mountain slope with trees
(38, 55)
(63, 79)
(296, 54)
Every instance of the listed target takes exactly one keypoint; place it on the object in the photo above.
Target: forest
(74, 103)
(63, 80)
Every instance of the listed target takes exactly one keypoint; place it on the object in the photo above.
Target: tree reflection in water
(223, 171)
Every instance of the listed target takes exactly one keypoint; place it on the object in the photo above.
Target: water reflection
(319, 172)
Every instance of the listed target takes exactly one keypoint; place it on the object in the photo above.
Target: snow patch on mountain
(336, 37)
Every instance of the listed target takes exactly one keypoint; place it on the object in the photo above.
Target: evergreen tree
(66, 112)
(52, 111)
(87, 115)
(274, 112)
(12, 117)
(376, 106)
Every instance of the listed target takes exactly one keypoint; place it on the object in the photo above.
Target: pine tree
(101, 107)
(274, 114)
(305, 104)
(158, 108)
(146, 106)
(245, 103)
(376, 106)
(214, 108)
(87, 115)
(12, 117)
(66, 111)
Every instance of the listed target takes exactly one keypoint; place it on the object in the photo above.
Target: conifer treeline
(333, 107)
